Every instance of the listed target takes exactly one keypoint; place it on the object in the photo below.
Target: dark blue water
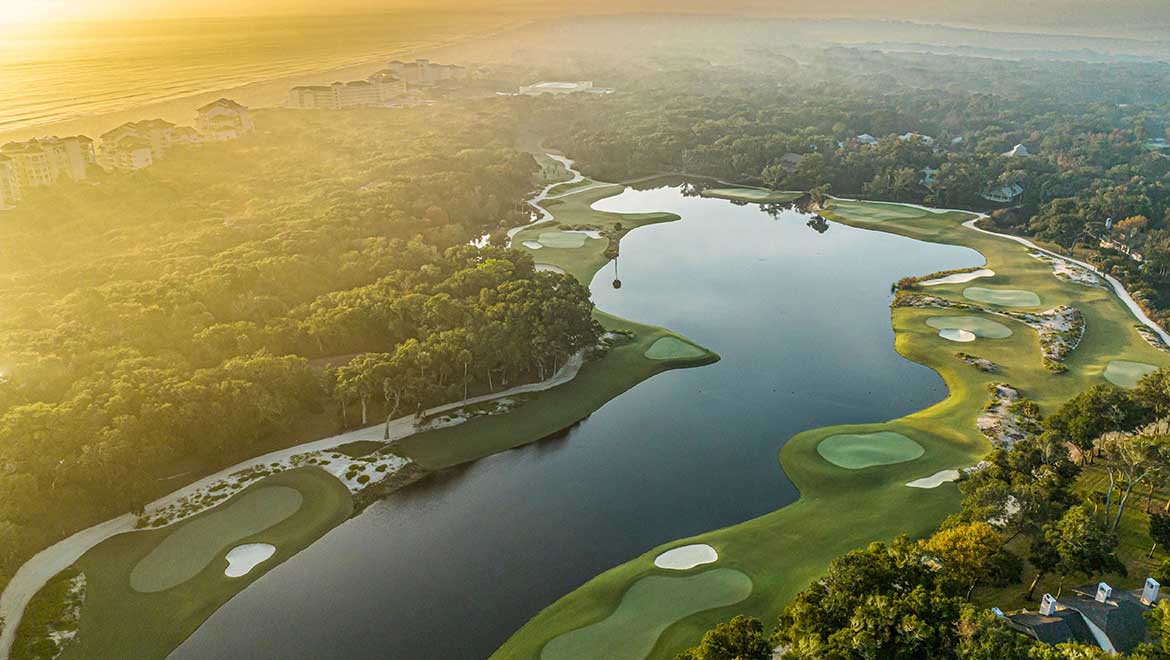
(448, 568)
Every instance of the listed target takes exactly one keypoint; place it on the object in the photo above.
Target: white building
(554, 87)
(224, 120)
(138, 144)
(1003, 194)
(925, 139)
(379, 89)
(866, 138)
(1018, 150)
(42, 162)
(424, 73)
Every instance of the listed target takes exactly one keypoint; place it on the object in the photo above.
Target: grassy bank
(841, 509)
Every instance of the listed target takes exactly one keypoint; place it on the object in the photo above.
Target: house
(42, 162)
(224, 120)
(924, 139)
(866, 138)
(929, 176)
(424, 73)
(1094, 614)
(138, 144)
(1003, 194)
(553, 87)
(1017, 151)
(957, 141)
(1157, 144)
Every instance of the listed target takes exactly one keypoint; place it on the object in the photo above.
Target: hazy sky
(1120, 14)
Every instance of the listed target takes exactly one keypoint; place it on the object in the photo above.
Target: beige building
(424, 73)
(42, 162)
(378, 90)
(224, 120)
(138, 144)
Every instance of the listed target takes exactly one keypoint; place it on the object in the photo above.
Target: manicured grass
(562, 239)
(866, 212)
(118, 621)
(646, 609)
(673, 348)
(856, 451)
(192, 546)
(976, 325)
(756, 195)
(1002, 297)
(562, 188)
(1124, 373)
(841, 510)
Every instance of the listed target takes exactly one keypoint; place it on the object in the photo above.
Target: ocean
(70, 75)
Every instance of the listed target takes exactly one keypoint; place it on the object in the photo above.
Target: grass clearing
(856, 451)
(753, 195)
(1002, 297)
(647, 608)
(561, 239)
(673, 348)
(866, 212)
(192, 546)
(977, 325)
(1124, 373)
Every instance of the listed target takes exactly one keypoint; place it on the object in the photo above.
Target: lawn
(977, 325)
(856, 451)
(840, 509)
(754, 195)
(120, 621)
(1002, 297)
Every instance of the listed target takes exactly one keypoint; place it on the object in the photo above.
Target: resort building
(1003, 194)
(552, 87)
(379, 89)
(138, 144)
(42, 162)
(224, 120)
(424, 73)
(866, 138)
(1017, 151)
(924, 139)
(1094, 615)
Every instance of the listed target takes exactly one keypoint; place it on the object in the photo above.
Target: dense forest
(1095, 181)
(239, 297)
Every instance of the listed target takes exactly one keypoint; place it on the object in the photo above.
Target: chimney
(1047, 605)
(1150, 591)
(998, 612)
(1104, 592)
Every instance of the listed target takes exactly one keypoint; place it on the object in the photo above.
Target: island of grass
(753, 195)
(673, 348)
(842, 510)
(856, 451)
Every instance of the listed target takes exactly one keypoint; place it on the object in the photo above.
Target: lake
(449, 567)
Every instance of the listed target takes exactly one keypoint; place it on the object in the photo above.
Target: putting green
(875, 211)
(1124, 373)
(673, 348)
(857, 451)
(191, 548)
(648, 608)
(976, 325)
(757, 195)
(561, 239)
(1002, 297)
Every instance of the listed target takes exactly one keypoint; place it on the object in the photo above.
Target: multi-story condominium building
(42, 162)
(224, 120)
(378, 89)
(137, 144)
(423, 73)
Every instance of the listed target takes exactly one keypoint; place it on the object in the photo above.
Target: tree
(1089, 415)
(742, 638)
(964, 554)
(1159, 531)
(1078, 544)
(1130, 459)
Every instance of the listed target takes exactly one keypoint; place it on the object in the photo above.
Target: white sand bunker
(532, 245)
(956, 334)
(549, 268)
(243, 558)
(687, 557)
(935, 480)
(959, 278)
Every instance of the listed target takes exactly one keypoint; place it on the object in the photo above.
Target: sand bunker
(687, 557)
(959, 278)
(549, 268)
(969, 328)
(935, 480)
(956, 334)
(532, 245)
(647, 609)
(1002, 297)
(194, 544)
(243, 558)
(673, 348)
(1124, 373)
(861, 450)
(562, 239)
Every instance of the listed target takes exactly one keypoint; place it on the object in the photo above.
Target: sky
(1149, 15)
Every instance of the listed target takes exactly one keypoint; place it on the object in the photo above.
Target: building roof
(1062, 626)
(1121, 617)
(222, 103)
(1018, 150)
(313, 88)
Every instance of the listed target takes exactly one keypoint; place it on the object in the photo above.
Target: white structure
(224, 120)
(42, 162)
(424, 73)
(1104, 592)
(866, 138)
(1047, 605)
(1003, 194)
(553, 87)
(139, 144)
(377, 90)
(1017, 151)
(1150, 591)
(924, 139)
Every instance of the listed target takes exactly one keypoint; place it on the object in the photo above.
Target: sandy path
(38, 570)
